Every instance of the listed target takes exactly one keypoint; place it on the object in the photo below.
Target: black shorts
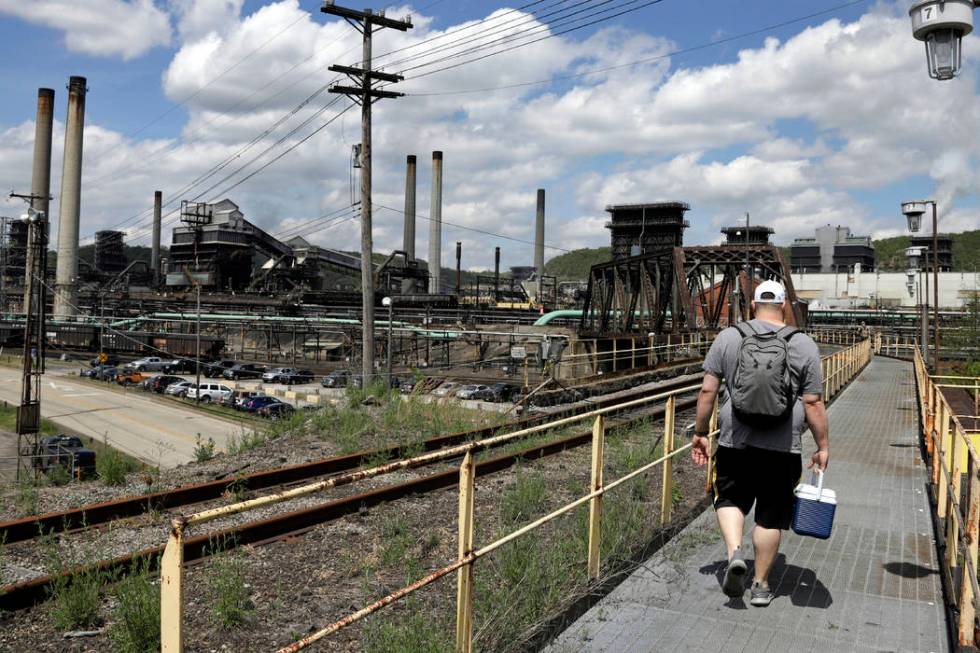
(760, 476)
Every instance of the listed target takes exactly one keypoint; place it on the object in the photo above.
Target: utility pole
(935, 288)
(197, 356)
(29, 411)
(365, 94)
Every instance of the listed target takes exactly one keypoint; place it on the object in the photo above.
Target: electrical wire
(645, 60)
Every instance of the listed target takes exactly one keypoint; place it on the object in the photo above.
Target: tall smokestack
(155, 245)
(539, 243)
(41, 173)
(408, 236)
(435, 226)
(66, 279)
(496, 274)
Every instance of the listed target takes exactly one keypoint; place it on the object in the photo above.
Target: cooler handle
(816, 478)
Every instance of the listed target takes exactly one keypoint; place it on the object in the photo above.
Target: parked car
(336, 379)
(253, 404)
(244, 371)
(208, 392)
(160, 383)
(178, 389)
(129, 376)
(215, 369)
(445, 389)
(107, 373)
(277, 410)
(182, 366)
(469, 391)
(297, 377)
(110, 360)
(91, 373)
(66, 451)
(150, 364)
(405, 383)
(239, 397)
(497, 392)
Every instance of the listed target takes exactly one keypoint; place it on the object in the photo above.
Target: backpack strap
(787, 332)
(745, 329)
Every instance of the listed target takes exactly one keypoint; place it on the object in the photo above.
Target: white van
(209, 392)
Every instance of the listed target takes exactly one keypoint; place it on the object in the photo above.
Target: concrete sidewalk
(873, 586)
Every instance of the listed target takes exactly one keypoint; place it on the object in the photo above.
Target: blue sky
(801, 131)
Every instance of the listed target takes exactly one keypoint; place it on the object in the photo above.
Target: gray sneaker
(734, 583)
(761, 595)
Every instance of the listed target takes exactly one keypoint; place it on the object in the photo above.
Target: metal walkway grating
(873, 586)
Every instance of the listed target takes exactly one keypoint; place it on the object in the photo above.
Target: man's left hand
(699, 449)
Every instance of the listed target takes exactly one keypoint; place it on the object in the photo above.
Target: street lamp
(391, 308)
(913, 211)
(941, 25)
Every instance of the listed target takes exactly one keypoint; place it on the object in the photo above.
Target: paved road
(153, 429)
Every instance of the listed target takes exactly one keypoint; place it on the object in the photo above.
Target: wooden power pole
(366, 22)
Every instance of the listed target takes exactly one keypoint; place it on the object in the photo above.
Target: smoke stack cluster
(41, 172)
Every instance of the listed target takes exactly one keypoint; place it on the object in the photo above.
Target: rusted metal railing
(842, 367)
(955, 485)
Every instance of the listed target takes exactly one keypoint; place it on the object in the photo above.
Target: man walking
(772, 379)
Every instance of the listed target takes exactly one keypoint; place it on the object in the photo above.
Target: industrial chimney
(66, 278)
(155, 244)
(41, 173)
(408, 236)
(539, 243)
(435, 226)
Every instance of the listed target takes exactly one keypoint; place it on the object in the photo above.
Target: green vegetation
(26, 499)
(137, 612)
(575, 265)
(75, 600)
(8, 421)
(112, 466)
(415, 631)
(203, 451)
(228, 594)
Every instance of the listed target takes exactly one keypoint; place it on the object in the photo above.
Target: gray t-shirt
(804, 361)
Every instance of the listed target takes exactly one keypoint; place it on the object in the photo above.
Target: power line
(479, 231)
(659, 57)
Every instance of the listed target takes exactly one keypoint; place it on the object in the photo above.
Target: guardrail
(840, 367)
(952, 454)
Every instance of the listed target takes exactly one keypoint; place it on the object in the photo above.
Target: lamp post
(941, 25)
(913, 212)
(391, 309)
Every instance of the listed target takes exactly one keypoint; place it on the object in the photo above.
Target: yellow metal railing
(842, 366)
(955, 484)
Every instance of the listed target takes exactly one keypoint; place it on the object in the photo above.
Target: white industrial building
(863, 289)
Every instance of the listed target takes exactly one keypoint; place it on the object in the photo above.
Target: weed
(419, 631)
(112, 466)
(246, 441)
(239, 488)
(58, 475)
(203, 450)
(376, 459)
(396, 539)
(27, 500)
(75, 599)
(137, 612)
(228, 593)
(525, 498)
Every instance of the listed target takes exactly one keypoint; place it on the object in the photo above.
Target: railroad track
(28, 593)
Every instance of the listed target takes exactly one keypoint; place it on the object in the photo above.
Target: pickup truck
(150, 364)
(129, 376)
(67, 451)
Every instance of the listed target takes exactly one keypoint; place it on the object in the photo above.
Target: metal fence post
(942, 460)
(595, 504)
(967, 610)
(172, 591)
(952, 513)
(667, 487)
(464, 576)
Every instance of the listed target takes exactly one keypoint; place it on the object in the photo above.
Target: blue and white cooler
(813, 515)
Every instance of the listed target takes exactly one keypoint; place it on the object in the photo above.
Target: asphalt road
(153, 429)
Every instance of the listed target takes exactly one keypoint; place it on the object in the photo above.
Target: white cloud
(794, 132)
(125, 28)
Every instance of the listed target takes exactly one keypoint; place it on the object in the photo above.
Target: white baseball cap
(770, 287)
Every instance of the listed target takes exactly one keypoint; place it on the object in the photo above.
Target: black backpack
(761, 388)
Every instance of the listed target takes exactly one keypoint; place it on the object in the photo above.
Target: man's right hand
(700, 449)
(819, 459)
